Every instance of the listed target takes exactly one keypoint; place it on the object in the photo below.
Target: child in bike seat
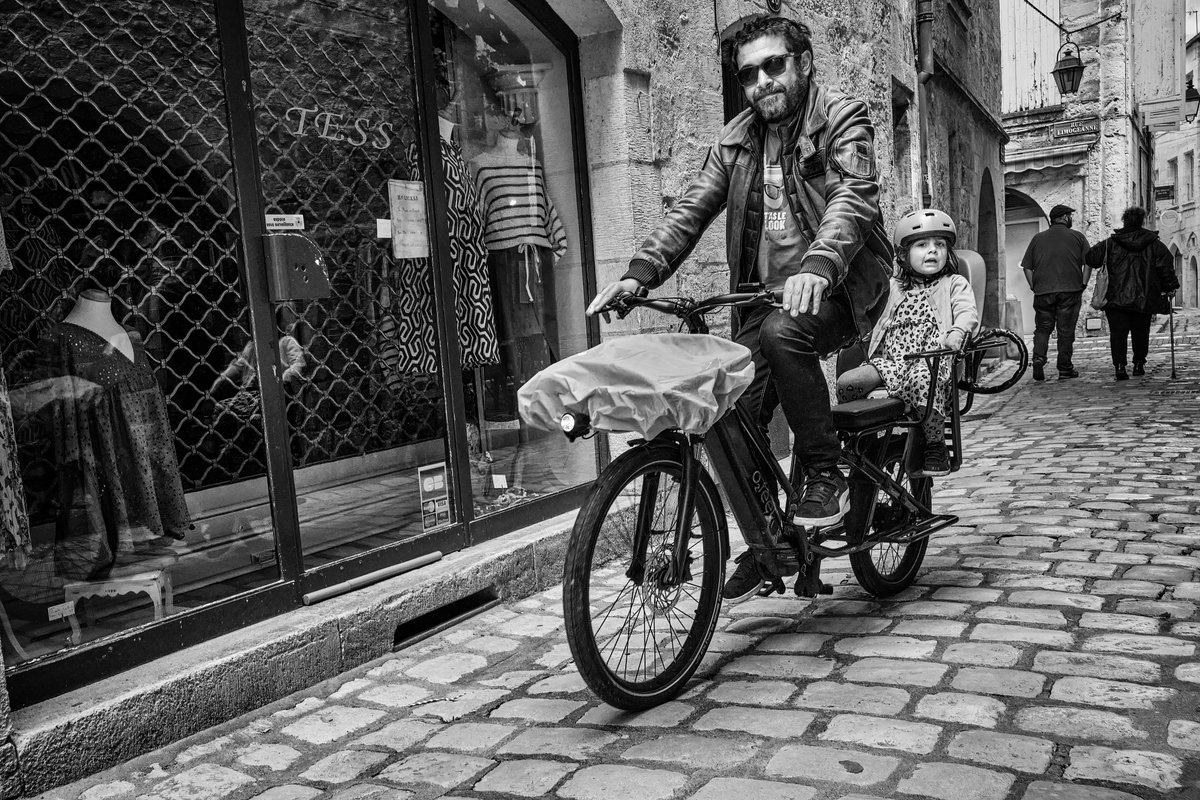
(930, 307)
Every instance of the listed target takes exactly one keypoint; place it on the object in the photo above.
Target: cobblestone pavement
(1048, 652)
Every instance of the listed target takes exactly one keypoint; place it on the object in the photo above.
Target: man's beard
(781, 103)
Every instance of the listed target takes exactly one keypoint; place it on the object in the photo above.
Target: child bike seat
(859, 414)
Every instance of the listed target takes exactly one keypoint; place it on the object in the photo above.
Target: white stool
(155, 582)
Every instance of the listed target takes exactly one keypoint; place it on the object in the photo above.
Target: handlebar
(689, 310)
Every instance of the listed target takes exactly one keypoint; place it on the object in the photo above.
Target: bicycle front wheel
(638, 636)
(889, 567)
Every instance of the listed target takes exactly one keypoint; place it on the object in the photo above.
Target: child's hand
(953, 340)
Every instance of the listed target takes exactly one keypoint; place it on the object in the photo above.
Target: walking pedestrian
(1056, 273)
(1141, 283)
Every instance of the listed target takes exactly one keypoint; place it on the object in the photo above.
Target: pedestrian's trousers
(1124, 325)
(1055, 310)
(787, 369)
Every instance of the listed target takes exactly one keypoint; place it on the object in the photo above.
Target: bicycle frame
(750, 478)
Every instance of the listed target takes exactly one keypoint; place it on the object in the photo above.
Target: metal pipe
(372, 577)
(924, 73)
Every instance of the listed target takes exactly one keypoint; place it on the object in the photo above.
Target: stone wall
(966, 136)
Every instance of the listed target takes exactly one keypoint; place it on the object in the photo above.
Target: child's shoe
(937, 461)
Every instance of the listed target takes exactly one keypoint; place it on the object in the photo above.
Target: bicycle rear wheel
(636, 644)
(888, 567)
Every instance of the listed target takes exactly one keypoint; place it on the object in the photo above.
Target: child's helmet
(924, 222)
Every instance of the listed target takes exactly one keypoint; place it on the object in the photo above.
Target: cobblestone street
(1048, 652)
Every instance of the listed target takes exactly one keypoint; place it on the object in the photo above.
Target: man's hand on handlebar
(802, 293)
(605, 295)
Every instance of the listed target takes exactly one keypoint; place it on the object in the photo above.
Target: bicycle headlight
(574, 424)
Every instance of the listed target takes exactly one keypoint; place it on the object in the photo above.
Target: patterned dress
(913, 328)
(14, 521)
(406, 333)
(116, 479)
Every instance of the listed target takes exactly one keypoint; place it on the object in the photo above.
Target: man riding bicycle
(796, 175)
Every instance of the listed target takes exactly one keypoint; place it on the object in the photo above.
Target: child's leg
(935, 430)
(857, 383)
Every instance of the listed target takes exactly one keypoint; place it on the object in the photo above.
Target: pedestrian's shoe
(1122, 375)
(1139, 368)
(1039, 372)
(746, 580)
(1063, 374)
(825, 501)
(936, 463)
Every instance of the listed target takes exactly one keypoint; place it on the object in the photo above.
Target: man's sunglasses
(774, 66)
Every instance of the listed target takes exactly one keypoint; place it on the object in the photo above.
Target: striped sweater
(516, 208)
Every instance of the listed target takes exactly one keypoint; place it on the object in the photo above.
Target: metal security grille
(336, 120)
(113, 141)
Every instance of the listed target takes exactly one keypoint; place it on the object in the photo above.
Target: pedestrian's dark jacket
(828, 162)
(1140, 271)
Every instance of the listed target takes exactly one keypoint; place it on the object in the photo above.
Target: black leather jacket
(832, 184)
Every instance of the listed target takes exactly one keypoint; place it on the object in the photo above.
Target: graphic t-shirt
(781, 244)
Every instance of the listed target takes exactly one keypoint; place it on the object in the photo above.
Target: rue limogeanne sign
(1075, 127)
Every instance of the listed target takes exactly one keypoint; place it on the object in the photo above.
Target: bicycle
(656, 516)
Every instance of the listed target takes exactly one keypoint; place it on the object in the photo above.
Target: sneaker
(1122, 375)
(1063, 374)
(825, 500)
(746, 579)
(1139, 369)
(1039, 372)
(936, 463)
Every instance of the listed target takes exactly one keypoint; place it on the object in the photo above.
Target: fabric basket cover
(646, 384)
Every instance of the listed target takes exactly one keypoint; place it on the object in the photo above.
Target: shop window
(120, 308)
(505, 106)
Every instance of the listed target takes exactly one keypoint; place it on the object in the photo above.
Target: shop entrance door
(339, 145)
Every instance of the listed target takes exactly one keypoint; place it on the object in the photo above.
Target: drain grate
(443, 617)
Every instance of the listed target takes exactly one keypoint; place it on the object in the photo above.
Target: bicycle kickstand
(808, 582)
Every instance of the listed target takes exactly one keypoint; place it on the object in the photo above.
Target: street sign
(1164, 192)
(1075, 127)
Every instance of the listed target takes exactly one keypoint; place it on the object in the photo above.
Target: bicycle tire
(1009, 339)
(598, 555)
(902, 561)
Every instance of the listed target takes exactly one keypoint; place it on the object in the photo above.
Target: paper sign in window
(410, 231)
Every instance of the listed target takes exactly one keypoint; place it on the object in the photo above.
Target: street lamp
(1191, 102)
(1068, 71)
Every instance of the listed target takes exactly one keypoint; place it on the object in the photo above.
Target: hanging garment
(14, 521)
(117, 476)
(5, 258)
(516, 274)
(472, 297)
(406, 337)
(516, 206)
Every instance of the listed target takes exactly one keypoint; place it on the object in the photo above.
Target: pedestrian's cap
(1061, 211)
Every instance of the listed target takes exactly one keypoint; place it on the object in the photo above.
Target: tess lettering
(354, 131)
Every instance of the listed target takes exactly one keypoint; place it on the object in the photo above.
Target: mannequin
(93, 310)
(524, 235)
(446, 127)
(119, 494)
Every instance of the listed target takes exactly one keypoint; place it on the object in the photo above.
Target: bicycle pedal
(773, 586)
(806, 587)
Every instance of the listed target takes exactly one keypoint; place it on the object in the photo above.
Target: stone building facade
(1091, 150)
(1175, 166)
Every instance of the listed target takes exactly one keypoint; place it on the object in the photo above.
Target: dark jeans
(1123, 325)
(787, 352)
(1055, 310)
